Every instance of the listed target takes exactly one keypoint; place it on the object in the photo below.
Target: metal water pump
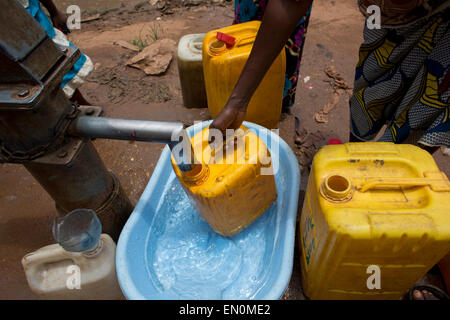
(42, 130)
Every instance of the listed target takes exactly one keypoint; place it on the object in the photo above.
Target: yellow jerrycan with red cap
(225, 52)
(375, 219)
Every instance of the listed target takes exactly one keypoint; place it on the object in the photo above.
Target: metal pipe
(170, 133)
(86, 183)
(125, 129)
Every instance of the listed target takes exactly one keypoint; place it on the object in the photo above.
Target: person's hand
(59, 20)
(279, 21)
(231, 116)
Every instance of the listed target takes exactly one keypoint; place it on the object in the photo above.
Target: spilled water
(187, 259)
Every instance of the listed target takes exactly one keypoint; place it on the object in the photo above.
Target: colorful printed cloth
(402, 80)
(73, 79)
(248, 10)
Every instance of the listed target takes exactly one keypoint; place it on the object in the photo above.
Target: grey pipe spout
(137, 130)
(125, 129)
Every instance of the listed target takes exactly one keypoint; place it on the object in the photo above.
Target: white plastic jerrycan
(81, 266)
(190, 69)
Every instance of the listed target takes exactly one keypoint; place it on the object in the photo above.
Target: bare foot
(423, 295)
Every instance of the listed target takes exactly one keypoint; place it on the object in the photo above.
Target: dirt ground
(27, 211)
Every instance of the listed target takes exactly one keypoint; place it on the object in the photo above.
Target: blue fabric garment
(35, 9)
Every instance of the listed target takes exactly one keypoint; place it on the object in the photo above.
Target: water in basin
(189, 259)
(166, 251)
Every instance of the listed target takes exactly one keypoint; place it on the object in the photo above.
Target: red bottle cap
(229, 40)
(334, 141)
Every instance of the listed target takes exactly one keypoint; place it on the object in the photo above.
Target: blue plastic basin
(166, 251)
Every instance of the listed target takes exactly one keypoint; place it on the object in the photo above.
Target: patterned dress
(248, 10)
(402, 80)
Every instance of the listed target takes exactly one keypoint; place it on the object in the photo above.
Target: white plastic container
(190, 69)
(54, 273)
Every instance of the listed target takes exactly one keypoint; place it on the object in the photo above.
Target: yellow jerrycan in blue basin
(375, 220)
(167, 251)
(233, 184)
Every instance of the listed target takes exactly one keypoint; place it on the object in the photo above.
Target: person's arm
(279, 21)
(59, 18)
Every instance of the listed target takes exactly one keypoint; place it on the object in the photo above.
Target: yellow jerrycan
(223, 61)
(375, 219)
(233, 183)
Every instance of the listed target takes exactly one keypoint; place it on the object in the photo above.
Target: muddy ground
(26, 210)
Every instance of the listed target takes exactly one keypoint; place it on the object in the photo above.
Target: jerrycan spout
(191, 172)
(183, 153)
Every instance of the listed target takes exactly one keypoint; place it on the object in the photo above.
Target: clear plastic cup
(78, 231)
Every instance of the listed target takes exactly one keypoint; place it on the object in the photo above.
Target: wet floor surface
(26, 210)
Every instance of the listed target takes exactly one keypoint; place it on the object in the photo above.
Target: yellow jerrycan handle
(245, 41)
(437, 181)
